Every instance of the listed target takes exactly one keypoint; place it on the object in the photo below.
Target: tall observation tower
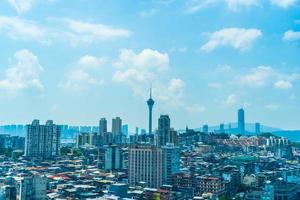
(150, 103)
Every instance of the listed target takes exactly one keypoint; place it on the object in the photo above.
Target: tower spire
(150, 103)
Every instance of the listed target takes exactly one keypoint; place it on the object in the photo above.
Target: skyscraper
(112, 157)
(116, 125)
(150, 103)
(257, 128)
(42, 141)
(117, 130)
(102, 126)
(241, 121)
(145, 165)
(164, 130)
(171, 162)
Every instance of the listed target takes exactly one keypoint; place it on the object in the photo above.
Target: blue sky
(76, 61)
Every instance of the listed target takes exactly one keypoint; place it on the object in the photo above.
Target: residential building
(171, 162)
(145, 165)
(42, 141)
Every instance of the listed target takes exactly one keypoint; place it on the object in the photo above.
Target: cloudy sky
(76, 61)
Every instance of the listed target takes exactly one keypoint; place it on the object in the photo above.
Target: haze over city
(77, 62)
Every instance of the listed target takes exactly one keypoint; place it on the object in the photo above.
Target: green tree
(77, 152)
(65, 150)
(8, 152)
(223, 198)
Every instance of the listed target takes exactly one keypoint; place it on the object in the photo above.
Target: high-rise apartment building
(102, 126)
(112, 157)
(164, 130)
(171, 162)
(42, 141)
(116, 125)
(32, 187)
(90, 139)
(145, 165)
(174, 139)
(117, 130)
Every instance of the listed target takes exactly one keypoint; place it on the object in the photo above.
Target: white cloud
(265, 75)
(91, 62)
(170, 93)
(146, 68)
(22, 6)
(140, 70)
(231, 100)
(75, 32)
(284, 3)
(79, 32)
(235, 5)
(283, 84)
(193, 6)
(291, 35)
(84, 75)
(237, 38)
(258, 76)
(17, 28)
(24, 74)
(146, 59)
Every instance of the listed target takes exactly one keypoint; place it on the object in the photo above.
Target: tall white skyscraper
(145, 165)
(42, 141)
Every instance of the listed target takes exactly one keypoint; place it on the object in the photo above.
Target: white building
(145, 165)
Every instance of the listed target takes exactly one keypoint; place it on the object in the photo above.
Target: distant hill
(293, 135)
(250, 128)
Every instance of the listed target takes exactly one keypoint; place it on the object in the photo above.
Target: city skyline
(75, 65)
(163, 127)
